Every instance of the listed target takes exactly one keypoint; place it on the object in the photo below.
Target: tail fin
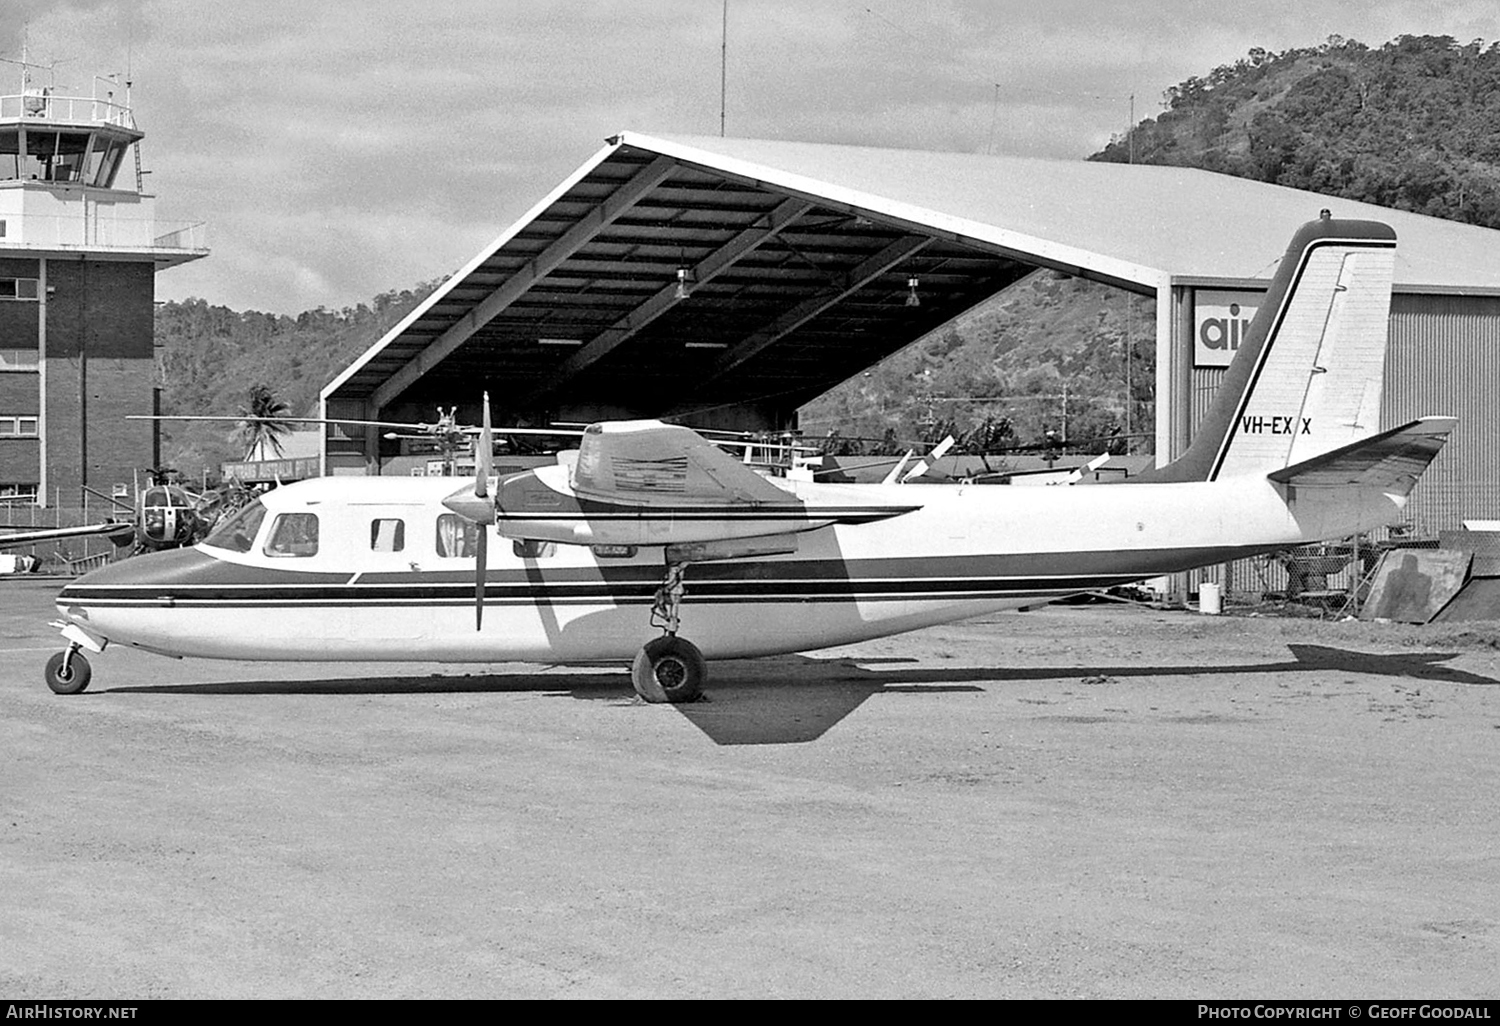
(1307, 378)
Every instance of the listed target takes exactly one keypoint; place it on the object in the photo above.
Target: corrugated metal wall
(1444, 358)
(1205, 384)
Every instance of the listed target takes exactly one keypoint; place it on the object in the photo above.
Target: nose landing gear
(68, 672)
(669, 668)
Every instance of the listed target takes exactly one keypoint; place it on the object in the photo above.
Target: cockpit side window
(237, 534)
(294, 534)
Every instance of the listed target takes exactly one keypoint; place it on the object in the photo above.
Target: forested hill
(1413, 124)
(210, 357)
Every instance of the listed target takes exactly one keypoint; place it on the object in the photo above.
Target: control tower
(80, 246)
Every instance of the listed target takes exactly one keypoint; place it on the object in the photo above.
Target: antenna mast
(723, 64)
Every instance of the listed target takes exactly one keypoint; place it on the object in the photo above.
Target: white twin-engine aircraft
(650, 535)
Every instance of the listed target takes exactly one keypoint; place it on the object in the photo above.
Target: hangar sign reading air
(1220, 320)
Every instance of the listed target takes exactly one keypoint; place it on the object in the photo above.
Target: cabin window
(456, 536)
(530, 548)
(387, 535)
(237, 533)
(294, 534)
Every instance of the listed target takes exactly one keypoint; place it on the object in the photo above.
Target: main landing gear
(669, 668)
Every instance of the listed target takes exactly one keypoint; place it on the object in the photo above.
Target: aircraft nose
(148, 575)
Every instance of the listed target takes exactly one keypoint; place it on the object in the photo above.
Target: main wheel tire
(69, 679)
(669, 669)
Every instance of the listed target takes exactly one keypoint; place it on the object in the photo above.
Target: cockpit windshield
(237, 533)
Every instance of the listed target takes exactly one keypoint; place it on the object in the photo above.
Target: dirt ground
(1099, 801)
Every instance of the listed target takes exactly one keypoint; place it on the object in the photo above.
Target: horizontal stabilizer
(1391, 460)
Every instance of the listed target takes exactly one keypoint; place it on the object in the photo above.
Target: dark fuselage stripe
(706, 591)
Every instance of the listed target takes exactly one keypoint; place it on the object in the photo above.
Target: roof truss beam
(710, 267)
(598, 218)
(853, 280)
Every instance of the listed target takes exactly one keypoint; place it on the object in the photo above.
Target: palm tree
(263, 424)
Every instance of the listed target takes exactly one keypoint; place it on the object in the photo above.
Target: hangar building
(726, 282)
(80, 246)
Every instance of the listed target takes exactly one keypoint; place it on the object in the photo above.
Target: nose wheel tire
(68, 675)
(669, 669)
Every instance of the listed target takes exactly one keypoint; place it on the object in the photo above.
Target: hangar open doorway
(726, 282)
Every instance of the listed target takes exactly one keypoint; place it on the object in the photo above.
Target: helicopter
(165, 515)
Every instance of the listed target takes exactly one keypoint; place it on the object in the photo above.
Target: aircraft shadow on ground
(797, 699)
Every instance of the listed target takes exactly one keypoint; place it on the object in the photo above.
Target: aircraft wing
(649, 483)
(1392, 459)
(110, 529)
(652, 463)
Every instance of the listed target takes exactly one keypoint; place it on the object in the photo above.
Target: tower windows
(19, 288)
(18, 427)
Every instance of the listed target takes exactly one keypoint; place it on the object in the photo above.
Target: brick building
(79, 250)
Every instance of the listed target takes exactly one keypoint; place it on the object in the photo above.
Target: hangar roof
(670, 274)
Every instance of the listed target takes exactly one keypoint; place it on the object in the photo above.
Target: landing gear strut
(68, 672)
(669, 668)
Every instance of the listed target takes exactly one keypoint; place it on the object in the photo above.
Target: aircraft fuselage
(388, 582)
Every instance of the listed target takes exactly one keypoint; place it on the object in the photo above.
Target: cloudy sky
(338, 149)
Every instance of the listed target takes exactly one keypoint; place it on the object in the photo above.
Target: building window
(18, 288)
(13, 494)
(19, 360)
(18, 427)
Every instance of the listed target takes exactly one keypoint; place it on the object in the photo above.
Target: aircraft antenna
(723, 65)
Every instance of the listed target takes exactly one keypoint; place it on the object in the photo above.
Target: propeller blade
(484, 456)
(481, 561)
(484, 464)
